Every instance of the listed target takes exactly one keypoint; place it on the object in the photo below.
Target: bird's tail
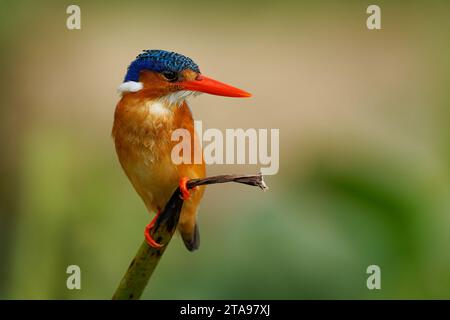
(191, 238)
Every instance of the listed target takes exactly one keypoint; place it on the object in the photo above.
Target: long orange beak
(211, 86)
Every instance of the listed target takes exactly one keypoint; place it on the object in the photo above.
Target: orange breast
(142, 133)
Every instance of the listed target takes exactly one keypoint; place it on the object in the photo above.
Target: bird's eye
(171, 76)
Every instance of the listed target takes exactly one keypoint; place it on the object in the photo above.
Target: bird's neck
(139, 116)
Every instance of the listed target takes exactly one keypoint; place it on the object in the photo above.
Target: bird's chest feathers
(143, 137)
(143, 132)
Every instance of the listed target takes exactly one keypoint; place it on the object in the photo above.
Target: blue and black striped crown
(159, 60)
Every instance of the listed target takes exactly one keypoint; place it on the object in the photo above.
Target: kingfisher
(152, 106)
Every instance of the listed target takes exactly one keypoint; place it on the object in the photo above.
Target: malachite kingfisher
(153, 105)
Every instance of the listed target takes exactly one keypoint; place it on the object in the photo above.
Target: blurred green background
(364, 139)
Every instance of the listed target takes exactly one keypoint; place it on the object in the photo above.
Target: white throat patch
(130, 86)
(177, 98)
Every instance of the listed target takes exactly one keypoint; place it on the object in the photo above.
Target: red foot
(185, 194)
(148, 238)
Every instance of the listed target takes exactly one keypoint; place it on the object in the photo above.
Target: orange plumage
(145, 118)
(143, 145)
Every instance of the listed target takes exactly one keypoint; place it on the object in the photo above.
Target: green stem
(144, 263)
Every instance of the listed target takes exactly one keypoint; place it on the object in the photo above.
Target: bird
(153, 104)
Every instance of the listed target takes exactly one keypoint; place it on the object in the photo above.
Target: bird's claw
(148, 238)
(185, 194)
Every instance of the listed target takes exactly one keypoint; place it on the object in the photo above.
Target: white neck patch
(130, 86)
(177, 98)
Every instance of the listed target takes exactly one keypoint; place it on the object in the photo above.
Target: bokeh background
(364, 149)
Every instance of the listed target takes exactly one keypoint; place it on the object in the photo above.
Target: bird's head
(172, 76)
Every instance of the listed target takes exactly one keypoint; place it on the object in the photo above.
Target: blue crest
(159, 60)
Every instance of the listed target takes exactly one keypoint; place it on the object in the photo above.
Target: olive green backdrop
(364, 149)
